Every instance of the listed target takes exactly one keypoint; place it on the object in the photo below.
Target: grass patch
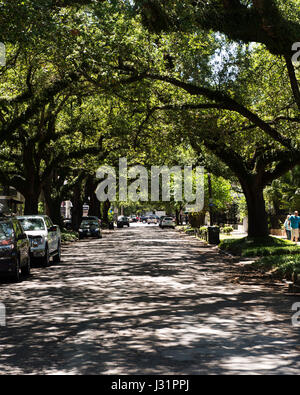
(268, 246)
(285, 266)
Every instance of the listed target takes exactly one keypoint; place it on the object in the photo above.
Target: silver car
(44, 237)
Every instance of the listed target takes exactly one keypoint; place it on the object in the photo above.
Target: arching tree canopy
(135, 78)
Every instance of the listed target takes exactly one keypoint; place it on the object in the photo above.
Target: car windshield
(87, 224)
(168, 219)
(32, 224)
(6, 231)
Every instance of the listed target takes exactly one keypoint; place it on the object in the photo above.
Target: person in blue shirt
(294, 223)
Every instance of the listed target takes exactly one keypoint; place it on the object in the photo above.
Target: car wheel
(46, 259)
(57, 257)
(26, 269)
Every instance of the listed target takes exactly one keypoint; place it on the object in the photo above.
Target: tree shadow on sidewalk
(144, 302)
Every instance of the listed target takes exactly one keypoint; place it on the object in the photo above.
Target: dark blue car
(90, 228)
(14, 249)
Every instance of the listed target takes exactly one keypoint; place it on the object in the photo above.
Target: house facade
(11, 200)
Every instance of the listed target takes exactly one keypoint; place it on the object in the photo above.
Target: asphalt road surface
(145, 301)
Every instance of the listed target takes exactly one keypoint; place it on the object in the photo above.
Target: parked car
(92, 218)
(168, 222)
(14, 249)
(152, 220)
(144, 218)
(123, 221)
(44, 237)
(90, 227)
(161, 219)
(133, 218)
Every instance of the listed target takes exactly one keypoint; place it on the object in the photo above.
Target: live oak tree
(245, 110)
(46, 69)
(254, 132)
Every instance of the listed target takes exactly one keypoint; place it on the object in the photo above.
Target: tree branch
(226, 103)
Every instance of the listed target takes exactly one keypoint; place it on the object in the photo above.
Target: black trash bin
(214, 235)
(111, 226)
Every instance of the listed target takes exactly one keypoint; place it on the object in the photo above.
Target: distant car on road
(161, 219)
(168, 222)
(14, 249)
(152, 220)
(123, 221)
(44, 237)
(144, 218)
(90, 227)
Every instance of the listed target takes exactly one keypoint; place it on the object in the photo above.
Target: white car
(44, 237)
(168, 222)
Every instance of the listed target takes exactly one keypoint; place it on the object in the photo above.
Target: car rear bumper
(7, 265)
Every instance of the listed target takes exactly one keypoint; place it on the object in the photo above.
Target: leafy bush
(189, 230)
(227, 230)
(203, 233)
(69, 236)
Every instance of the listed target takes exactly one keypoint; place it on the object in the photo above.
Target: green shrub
(69, 236)
(203, 232)
(227, 230)
(284, 265)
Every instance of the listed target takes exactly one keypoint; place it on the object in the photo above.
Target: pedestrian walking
(294, 223)
(288, 228)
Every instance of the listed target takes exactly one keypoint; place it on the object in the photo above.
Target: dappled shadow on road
(145, 301)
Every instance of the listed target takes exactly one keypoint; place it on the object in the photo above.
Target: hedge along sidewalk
(202, 233)
(69, 236)
(199, 233)
(278, 256)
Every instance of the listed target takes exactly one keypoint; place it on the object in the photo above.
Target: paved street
(145, 301)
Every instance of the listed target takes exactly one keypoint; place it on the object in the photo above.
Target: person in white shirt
(288, 228)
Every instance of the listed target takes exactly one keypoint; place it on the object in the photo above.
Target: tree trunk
(257, 215)
(31, 202)
(53, 209)
(77, 209)
(95, 206)
(105, 210)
